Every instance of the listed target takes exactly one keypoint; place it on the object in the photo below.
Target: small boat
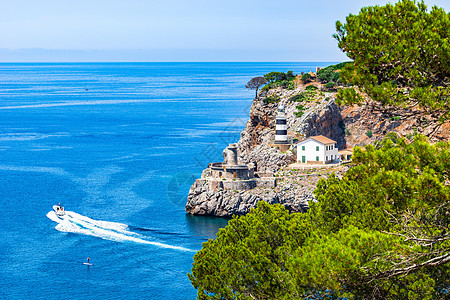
(59, 210)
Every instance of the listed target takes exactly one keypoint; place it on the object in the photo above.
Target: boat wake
(118, 232)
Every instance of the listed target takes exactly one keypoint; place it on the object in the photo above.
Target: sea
(118, 145)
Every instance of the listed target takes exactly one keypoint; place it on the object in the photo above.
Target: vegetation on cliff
(401, 55)
(331, 74)
(382, 231)
(279, 79)
(255, 83)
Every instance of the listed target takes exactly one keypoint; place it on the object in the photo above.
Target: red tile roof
(322, 139)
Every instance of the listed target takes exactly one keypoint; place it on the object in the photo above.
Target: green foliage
(304, 96)
(290, 85)
(306, 78)
(298, 97)
(348, 96)
(311, 88)
(369, 133)
(274, 76)
(331, 73)
(274, 98)
(280, 79)
(265, 88)
(255, 83)
(397, 195)
(330, 85)
(401, 55)
(379, 232)
(300, 111)
(246, 260)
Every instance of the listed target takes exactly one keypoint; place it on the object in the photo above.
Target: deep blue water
(116, 142)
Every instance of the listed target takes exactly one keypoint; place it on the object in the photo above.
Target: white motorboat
(59, 210)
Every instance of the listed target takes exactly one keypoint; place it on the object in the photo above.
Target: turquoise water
(118, 144)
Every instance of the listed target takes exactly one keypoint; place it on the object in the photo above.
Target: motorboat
(59, 210)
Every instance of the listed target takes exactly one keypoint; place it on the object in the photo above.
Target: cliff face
(348, 125)
(370, 122)
(209, 196)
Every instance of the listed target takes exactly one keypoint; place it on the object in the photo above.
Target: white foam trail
(76, 223)
(52, 216)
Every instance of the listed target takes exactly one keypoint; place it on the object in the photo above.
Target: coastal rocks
(225, 198)
(203, 199)
(371, 122)
(348, 125)
(267, 159)
(326, 121)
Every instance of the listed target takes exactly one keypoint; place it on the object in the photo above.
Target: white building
(317, 150)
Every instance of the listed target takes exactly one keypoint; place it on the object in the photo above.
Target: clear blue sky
(174, 30)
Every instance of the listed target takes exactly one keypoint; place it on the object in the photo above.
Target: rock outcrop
(371, 122)
(348, 125)
(209, 196)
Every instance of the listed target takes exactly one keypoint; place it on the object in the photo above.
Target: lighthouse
(281, 127)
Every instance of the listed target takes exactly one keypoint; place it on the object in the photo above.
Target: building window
(317, 148)
(303, 148)
(326, 157)
(317, 158)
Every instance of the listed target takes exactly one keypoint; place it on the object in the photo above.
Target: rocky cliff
(319, 115)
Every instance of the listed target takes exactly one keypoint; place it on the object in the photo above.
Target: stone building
(230, 169)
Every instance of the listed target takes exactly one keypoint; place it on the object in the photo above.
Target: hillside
(319, 115)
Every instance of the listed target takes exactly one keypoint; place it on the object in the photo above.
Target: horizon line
(109, 62)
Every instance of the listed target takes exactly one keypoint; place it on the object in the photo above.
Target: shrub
(298, 98)
(330, 85)
(274, 98)
(331, 73)
(275, 76)
(279, 76)
(369, 133)
(306, 78)
(290, 85)
(311, 88)
(300, 109)
(265, 88)
(279, 79)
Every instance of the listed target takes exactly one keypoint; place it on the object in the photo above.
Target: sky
(175, 30)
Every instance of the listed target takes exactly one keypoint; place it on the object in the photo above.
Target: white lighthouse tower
(281, 127)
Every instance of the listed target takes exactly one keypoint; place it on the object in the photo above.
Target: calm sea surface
(118, 145)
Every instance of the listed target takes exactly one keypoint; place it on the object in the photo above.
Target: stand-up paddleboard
(88, 263)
